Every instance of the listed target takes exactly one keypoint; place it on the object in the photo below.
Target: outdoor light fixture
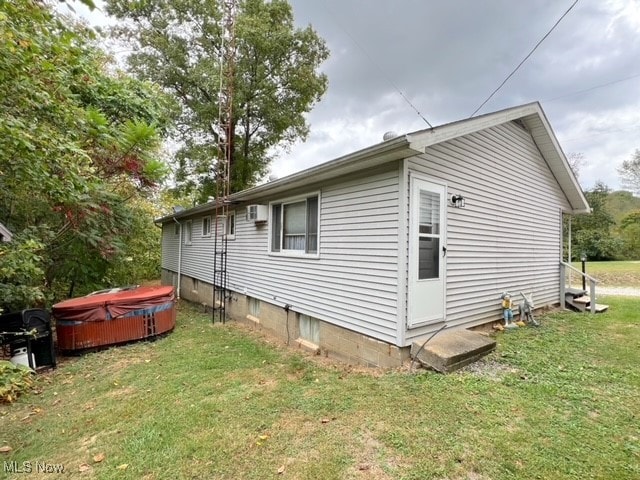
(457, 201)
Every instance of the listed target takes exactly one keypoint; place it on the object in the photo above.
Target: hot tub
(114, 316)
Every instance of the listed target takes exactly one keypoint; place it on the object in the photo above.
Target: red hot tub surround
(115, 316)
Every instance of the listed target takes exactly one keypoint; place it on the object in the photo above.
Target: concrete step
(452, 349)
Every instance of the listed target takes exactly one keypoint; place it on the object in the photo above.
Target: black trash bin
(14, 326)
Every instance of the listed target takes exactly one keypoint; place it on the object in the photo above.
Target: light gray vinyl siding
(170, 247)
(197, 257)
(353, 283)
(508, 235)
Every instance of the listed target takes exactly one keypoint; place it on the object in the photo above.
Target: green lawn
(556, 402)
(613, 274)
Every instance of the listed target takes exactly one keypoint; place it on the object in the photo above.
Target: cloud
(446, 57)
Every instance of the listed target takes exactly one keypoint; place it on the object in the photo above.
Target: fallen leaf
(124, 466)
(281, 470)
(5, 449)
(99, 457)
(263, 437)
(84, 467)
(325, 420)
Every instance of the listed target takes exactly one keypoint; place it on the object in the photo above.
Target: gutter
(394, 149)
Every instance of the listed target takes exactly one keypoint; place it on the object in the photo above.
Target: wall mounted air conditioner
(257, 213)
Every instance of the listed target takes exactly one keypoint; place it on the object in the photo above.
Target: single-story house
(360, 256)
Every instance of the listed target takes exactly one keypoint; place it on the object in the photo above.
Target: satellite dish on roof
(389, 135)
(273, 177)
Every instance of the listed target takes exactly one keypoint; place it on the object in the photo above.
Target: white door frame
(421, 292)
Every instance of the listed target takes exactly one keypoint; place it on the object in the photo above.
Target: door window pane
(429, 258)
(429, 235)
(429, 219)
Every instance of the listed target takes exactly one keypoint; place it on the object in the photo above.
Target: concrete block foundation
(330, 341)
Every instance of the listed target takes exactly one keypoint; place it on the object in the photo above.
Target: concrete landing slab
(448, 351)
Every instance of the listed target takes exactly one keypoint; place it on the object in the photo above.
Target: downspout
(179, 257)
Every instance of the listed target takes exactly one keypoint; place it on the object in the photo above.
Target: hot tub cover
(106, 306)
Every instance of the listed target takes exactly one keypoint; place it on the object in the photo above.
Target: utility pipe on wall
(179, 256)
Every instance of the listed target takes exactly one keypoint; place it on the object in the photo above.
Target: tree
(576, 162)
(630, 234)
(177, 44)
(629, 173)
(76, 145)
(592, 232)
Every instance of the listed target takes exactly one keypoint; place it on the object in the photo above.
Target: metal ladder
(219, 302)
(222, 169)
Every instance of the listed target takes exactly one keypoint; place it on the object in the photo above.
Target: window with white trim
(206, 226)
(231, 225)
(294, 226)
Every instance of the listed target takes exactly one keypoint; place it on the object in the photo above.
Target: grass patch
(613, 274)
(559, 401)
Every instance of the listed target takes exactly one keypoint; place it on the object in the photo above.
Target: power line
(334, 17)
(524, 59)
(595, 87)
(606, 131)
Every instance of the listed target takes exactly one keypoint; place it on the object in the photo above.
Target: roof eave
(375, 155)
(543, 136)
(553, 154)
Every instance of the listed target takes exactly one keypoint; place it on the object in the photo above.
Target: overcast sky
(447, 56)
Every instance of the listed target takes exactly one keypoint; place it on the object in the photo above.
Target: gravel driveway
(624, 291)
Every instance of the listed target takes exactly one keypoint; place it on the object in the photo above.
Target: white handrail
(592, 285)
(585, 275)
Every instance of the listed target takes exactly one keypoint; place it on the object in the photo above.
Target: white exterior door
(427, 252)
